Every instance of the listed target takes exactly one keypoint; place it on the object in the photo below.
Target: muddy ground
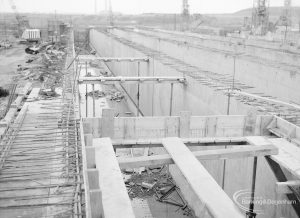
(10, 59)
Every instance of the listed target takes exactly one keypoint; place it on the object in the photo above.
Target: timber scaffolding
(40, 171)
(224, 83)
(209, 157)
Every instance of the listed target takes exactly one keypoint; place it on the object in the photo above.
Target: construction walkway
(39, 168)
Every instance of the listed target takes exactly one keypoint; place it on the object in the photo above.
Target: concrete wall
(155, 99)
(270, 71)
(197, 98)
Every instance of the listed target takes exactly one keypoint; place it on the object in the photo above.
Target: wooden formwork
(102, 170)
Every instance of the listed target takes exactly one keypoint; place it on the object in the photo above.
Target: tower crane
(22, 23)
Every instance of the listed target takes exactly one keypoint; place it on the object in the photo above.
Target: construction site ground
(10, 59)
(40, 154)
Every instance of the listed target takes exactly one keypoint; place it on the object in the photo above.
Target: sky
(133, 6)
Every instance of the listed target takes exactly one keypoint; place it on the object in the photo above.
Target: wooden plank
(288, 156)
(21, 95)
(214, 200)
(257, 140)
(158, 127)
(218, 141)
(232, 153)
(34, 94)
(24, 90)
(115, 199)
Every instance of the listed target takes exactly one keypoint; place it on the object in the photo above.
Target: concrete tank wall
(269, 77)
(155, 99)
(257, 48)
(200, 100)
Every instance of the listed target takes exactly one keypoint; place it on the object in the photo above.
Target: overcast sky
(133, 6)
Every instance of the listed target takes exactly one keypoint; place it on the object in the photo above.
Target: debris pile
(5, 44)
(44, 63)
(48, 93)
(155, 182)
(112, 94)
(3, 92)
(147, 183)
(95, 64)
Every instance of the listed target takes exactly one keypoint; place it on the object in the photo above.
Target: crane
(260, 16)
(22, 23)
(110, 14)
(185, 15)
(185, 8)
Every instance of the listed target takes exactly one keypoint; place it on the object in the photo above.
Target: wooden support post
(251, 213)
(94, 109)
(256, 141)
(138, 91)
(228, 103)
(224, 172)
(213, 201)
(153, 73)
(232, 153)
(185, 119)
(171, 99)
(86, 92)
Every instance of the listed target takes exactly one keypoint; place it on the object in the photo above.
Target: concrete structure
(216, 112)
(212, 68)
(209, 66)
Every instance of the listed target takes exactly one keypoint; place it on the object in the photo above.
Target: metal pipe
(94, 109)
(171, 99)
(86, 93)
(138, 92)
(251, 213)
